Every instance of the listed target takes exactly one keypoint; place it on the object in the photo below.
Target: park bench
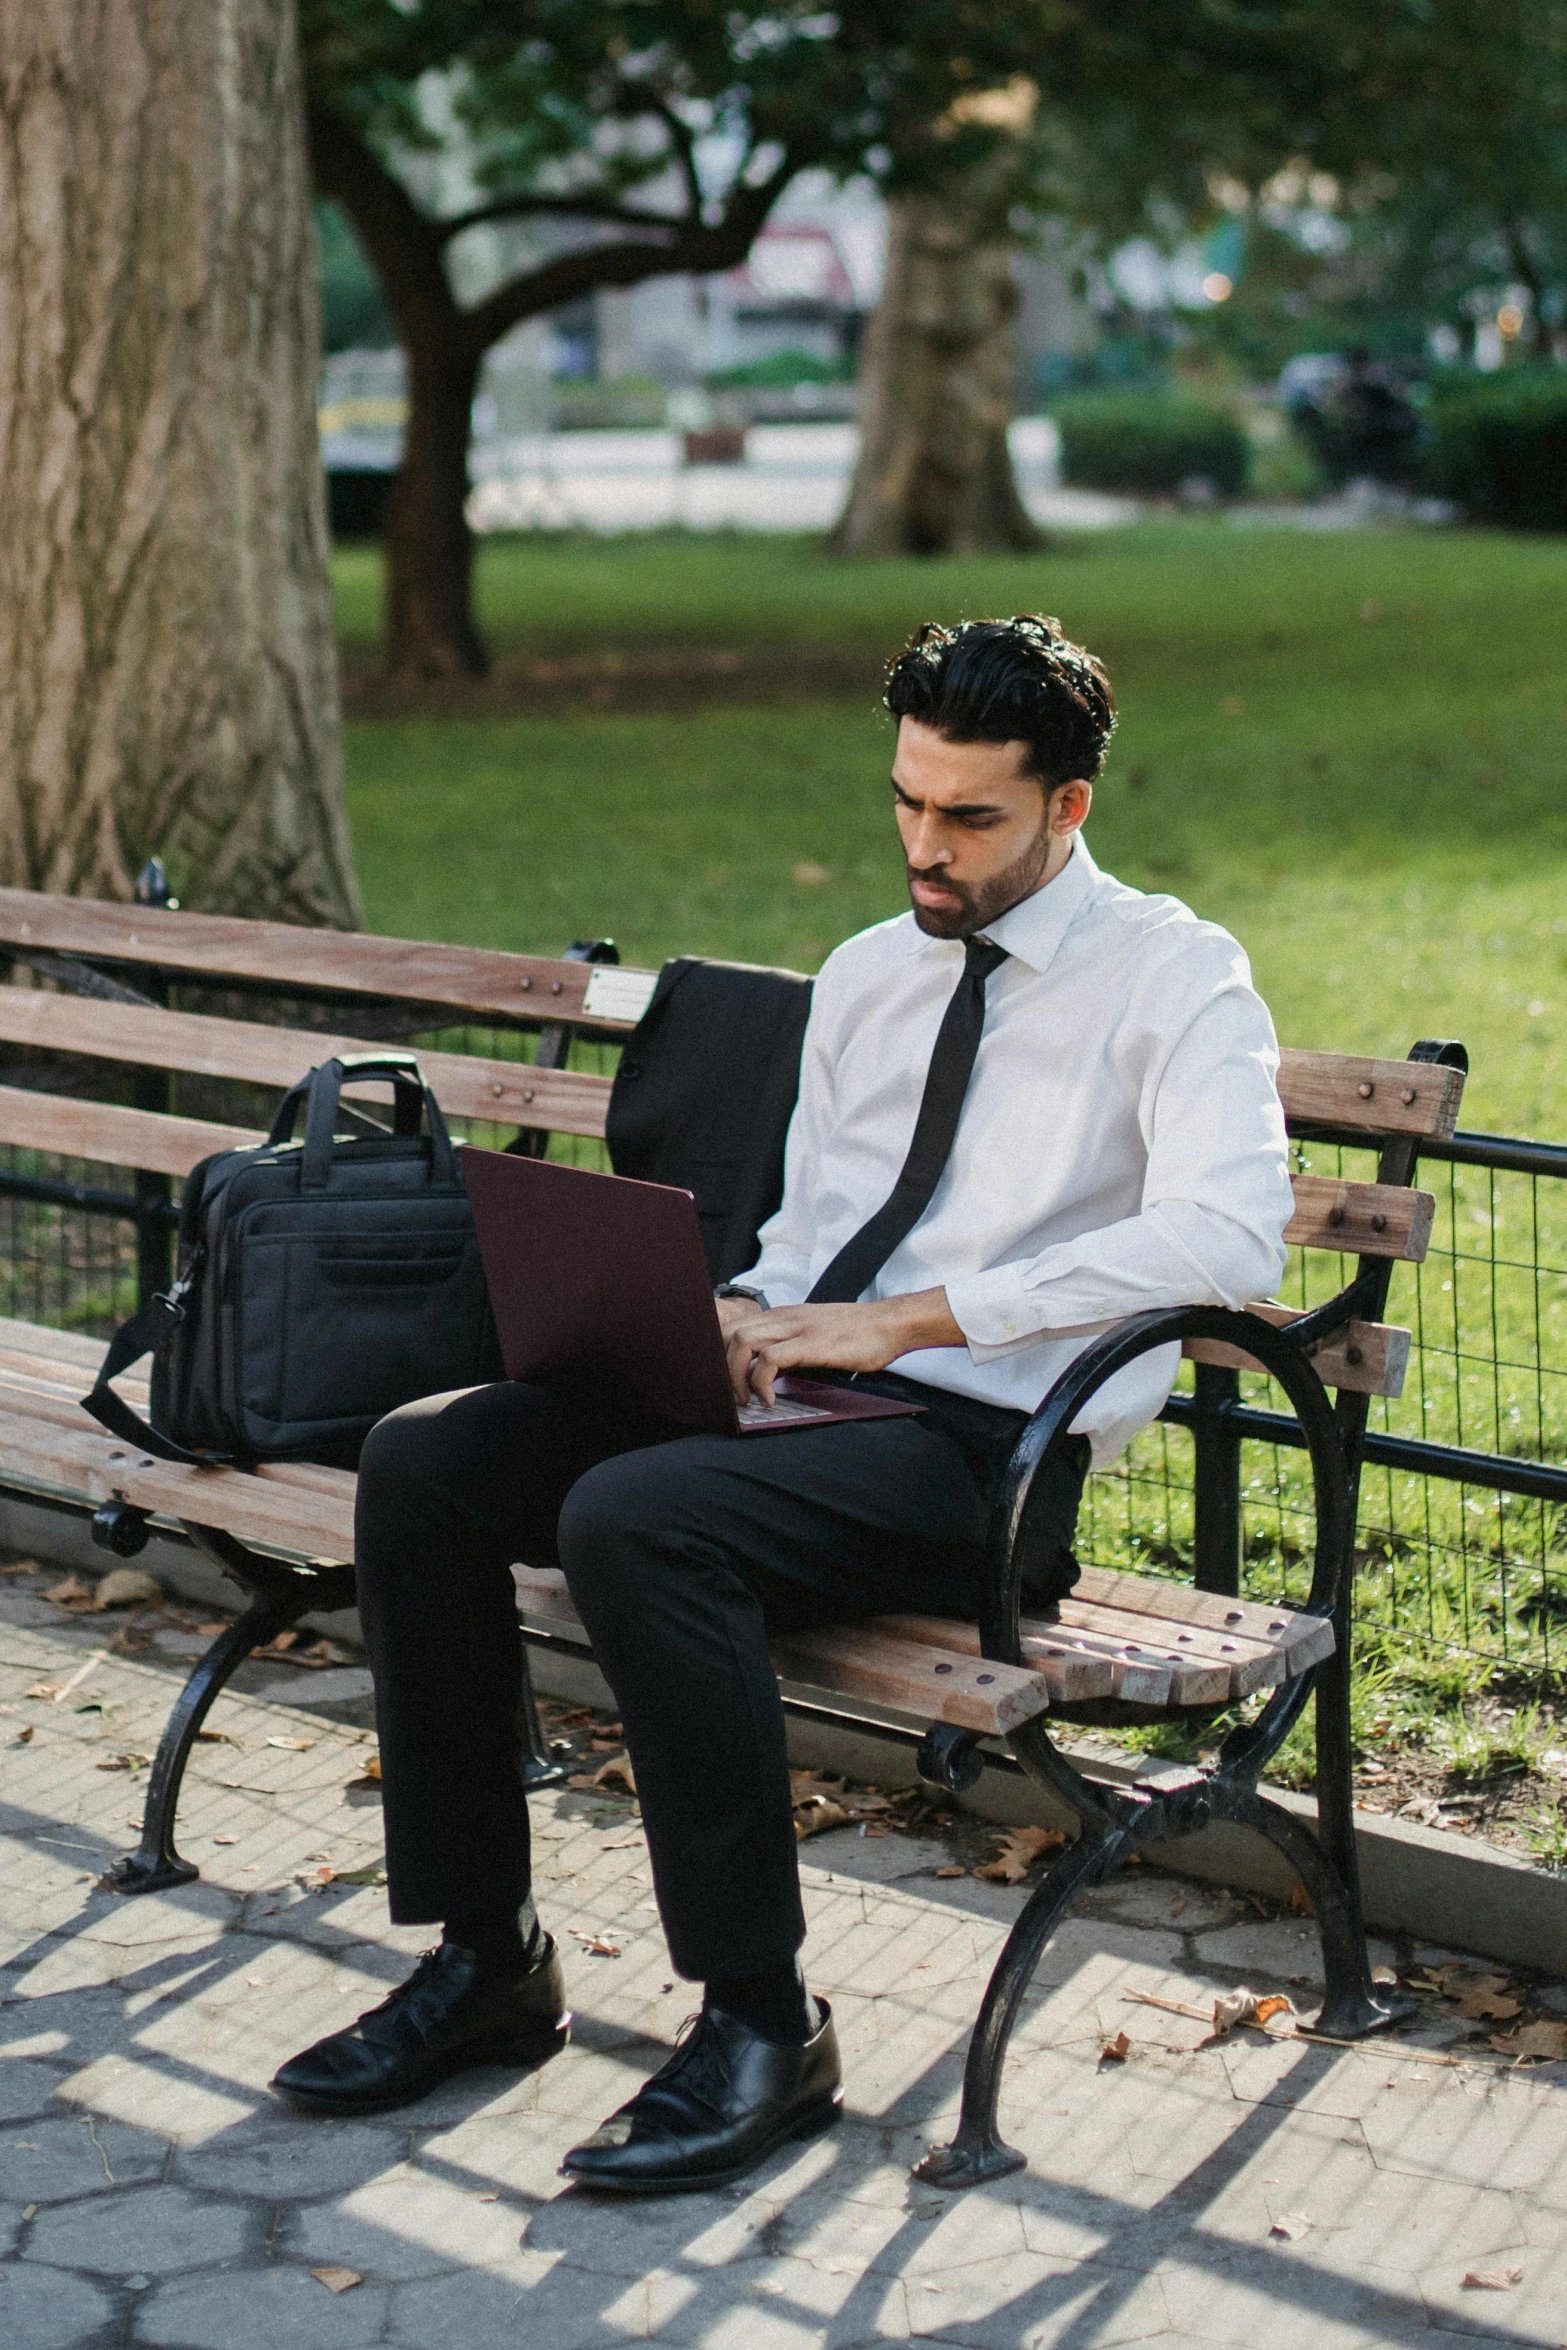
(1123, 1649)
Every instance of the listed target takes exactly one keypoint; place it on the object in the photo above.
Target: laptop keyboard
(762, 1415)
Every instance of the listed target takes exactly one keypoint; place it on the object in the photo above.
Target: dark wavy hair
(1002, 681)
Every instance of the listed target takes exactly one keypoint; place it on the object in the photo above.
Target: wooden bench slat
(511, 1093)
(212, 947)
(936, 1684)
(1072, 1674)
(1361, 1219)
(1306, 1639)
(109, 1135)
(1246, 1665)
(264, 1505)
(71, 1346)
(1143, 1668)
(1369, 1358)
(1380, 1097)
(939, 1681)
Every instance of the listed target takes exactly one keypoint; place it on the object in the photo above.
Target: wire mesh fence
(1449, 1567)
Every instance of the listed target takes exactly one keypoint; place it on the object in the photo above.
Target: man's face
(978, 833)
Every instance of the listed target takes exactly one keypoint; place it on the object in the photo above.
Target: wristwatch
(739, 1289)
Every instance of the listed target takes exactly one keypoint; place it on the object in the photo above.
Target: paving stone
(535, 2303)
(45, 2161)
(408, 2223)
(1489, 2132)
(272, 2308)
(156, 2096)
(26, 2088)
(1143, 1897)
(277, 2157)
(1288, 2299)
(160, 2229)
(49, 2309)
(1271, 1952)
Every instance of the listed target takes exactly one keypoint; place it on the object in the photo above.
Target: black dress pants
(680, 1553)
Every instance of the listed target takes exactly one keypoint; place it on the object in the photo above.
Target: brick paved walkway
(151, 2191)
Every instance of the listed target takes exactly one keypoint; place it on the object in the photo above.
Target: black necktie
(859, 1261)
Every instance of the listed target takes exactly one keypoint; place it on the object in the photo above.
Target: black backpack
(321, 1283)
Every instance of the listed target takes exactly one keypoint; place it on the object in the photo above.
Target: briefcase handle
(321, 1090)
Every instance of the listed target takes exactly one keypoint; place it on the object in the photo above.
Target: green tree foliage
(632, 138)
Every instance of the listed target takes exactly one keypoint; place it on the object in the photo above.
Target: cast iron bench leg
(979, 2151)
(156, 1864)
(279, 1596)
(539, 1765)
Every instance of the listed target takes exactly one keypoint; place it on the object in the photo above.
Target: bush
(1499, 447)
(1150, 442)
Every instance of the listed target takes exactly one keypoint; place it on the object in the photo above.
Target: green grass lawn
(1349, 748)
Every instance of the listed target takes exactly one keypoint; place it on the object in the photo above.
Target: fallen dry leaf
(225, 1839)
(1291, 2225)
(294, 1745)
(128, 1587)
(216, 1738)
(77, 1597)
(316, 1880)
(211, 1631)
(124, 1762)
(595, 1945)
(1488, 1998)
(1248, 2007)
(372, 1769)
(24, 1737)
(1016, 1852)
(44, 1689)
(1548, 2040)
(1301, 1903)
(370, 1875)
(952, 1872)
(279, 1646)
(1116, 2051)
(1493, 2280)
(817, 1813)
(337, 2280)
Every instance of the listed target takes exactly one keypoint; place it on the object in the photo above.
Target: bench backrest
(1378, 1102)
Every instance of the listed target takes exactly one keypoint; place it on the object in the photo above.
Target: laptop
(599, 1276)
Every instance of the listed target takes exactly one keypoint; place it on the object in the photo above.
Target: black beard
(978, 908)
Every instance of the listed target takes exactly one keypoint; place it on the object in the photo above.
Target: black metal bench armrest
(1047, 1433)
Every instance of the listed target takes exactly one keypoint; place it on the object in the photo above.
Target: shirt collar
(1032, 930)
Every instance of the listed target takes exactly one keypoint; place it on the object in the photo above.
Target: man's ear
(1068, 806)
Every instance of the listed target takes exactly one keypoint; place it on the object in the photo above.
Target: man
(1038, 1103)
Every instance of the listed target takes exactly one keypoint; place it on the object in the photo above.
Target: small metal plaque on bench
(613, 994)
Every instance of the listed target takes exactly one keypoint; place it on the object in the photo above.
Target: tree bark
(936, 390)
(167, 668)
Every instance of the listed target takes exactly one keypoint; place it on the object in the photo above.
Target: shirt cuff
(998, 1315)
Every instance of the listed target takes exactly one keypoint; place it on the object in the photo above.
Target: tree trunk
(167, 669)
(429, 547)
(936, 390)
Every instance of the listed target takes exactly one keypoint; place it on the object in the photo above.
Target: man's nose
(926, 847)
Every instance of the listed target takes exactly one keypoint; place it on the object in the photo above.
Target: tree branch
(699, 249)
(404, 248)
(557, 207)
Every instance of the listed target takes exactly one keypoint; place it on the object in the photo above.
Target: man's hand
(829, 1338)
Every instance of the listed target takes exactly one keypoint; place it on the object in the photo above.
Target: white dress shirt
(1121, 1145)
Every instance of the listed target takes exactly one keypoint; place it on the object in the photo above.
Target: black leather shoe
(441, 2021)
(723, 2101)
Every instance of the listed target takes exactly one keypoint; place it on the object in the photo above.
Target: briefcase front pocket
(332, 1333)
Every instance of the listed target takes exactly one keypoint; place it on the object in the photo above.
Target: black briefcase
(321, 1283)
